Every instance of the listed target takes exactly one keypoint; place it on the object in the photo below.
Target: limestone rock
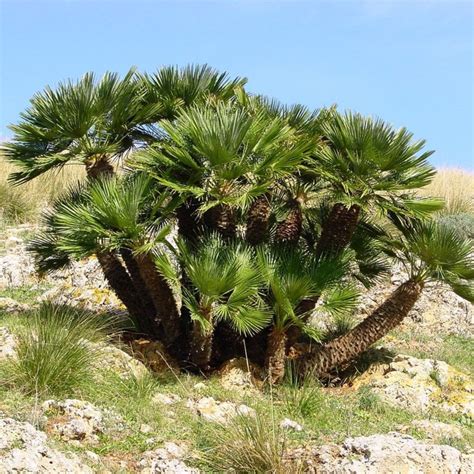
(24, 449)
(240, 374)
(218, 412)
(154, 355)
(7, 344)
(166, 399)
(290, 425)
(382, 454)
(78, 420)
(88, 297)
(421, 384)
(116, 360)
(166, 460)
(436, 430)
(10, 305)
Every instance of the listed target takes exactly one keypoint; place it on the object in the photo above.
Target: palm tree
(110, 217)
(218, 160)
(367, 165)
(432, 253)
(224, 285)
(293, 275)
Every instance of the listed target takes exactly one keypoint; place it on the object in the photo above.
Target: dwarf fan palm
(367, 164)
(293, 275)
(223, 285)
(432, 253)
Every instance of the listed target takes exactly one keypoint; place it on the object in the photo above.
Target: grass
(54, 356)
(456, 187)
(246, 444)
(20, 204)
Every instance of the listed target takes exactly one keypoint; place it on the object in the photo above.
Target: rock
(24, 449)
(10, 305)
(240, 374)
(7, 344)
(199, 386)
(154, 355)
(421, 384)
(166, 399)
(287, 424)
(166, 460)
(78, 421)
(219, 412)
(100, 299)
(16, 269)
(145, 429)
(436, 430)
(116, 360)
(382, 454)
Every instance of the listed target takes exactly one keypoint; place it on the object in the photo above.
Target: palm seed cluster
(227, 223)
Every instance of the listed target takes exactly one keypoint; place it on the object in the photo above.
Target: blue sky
(409, 62)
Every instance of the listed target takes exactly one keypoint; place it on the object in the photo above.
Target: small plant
(247, 444)
(340, 324)
(369, 401)
(54, 352)
(436, 377)
(301, 397)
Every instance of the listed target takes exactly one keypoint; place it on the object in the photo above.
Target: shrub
(54, 352)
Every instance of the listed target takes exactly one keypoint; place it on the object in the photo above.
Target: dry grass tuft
(456, 187)
(19, 204)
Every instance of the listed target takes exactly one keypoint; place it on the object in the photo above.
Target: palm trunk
(201, 345)
(222, 219)
(289, 230)
(258, 221)
(189, 222)
(276, 355)
(167, 313)
(98, 168)
(120, 281)
(348, 347)
(338, 229)
(148, 321)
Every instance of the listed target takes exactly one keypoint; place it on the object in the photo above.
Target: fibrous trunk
(340, 351)
(98, 168)
(201, 345)
(276, 355)
(258, 218)
(148, 320)
(338, 229)
(189, 222)
(120, 282)
(167, 313)
(222, 219)
(289, 230)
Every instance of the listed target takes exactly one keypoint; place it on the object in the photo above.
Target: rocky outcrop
(382, 454)
(117, 361)
(421, 385)
(77, 421)
(7, 344)
(25, 449)
(218, 412)
(241, 374)
(9, 305)
(166, 460)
